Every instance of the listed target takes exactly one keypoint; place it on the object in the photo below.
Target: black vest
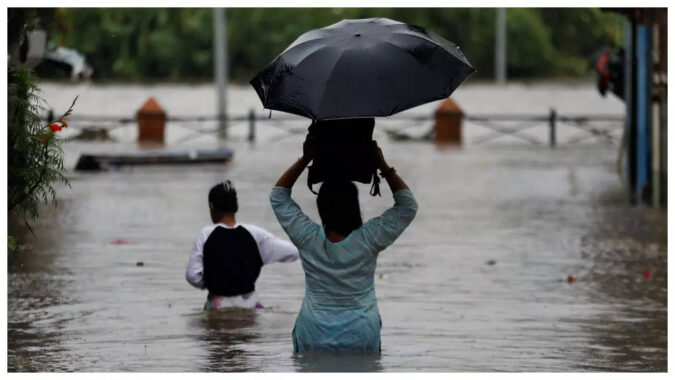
(231, 262)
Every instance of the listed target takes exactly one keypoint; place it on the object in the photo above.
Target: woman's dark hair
(338, 204)
(223, 197)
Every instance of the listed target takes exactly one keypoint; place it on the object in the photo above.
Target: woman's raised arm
(382, 231)
(291, 174)
(389, 173)
(298, 226)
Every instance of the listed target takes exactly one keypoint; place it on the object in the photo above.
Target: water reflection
(626, 242)
(224, 332)
(35, 291)
(475, 284)
(336, 362)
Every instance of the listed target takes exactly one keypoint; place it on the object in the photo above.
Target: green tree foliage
(173, 44)
(578, 33)
(140, 43)
(34, 154)
(530, 52)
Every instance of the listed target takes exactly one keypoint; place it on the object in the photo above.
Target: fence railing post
(551, 123)
(251, 125)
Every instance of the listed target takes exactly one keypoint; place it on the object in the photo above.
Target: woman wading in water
(339, 311)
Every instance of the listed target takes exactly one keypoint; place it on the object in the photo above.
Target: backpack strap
(309, 177)
(375, 189)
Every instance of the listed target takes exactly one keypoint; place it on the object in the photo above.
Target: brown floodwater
(478, 282)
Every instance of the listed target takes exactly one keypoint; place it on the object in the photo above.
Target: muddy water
(477, 282)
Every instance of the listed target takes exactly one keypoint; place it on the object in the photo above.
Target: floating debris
(94, 162)
(570, 279)
(94, 134)
(647, 274)
(140, 264)
(120, 242)
(490, 262)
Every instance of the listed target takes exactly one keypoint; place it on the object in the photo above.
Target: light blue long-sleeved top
(339, 311)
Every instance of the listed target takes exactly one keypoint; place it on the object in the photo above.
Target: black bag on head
(346, 151)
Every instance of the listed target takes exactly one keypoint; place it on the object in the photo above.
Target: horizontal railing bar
(467, 117)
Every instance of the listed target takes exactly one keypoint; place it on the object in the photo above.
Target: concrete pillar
(220, 68)
(500, 46)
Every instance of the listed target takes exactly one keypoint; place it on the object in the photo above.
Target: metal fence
(606, 128)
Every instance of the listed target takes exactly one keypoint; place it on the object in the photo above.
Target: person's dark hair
(338, 204)
(223, 197)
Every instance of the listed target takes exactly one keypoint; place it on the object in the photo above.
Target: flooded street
(478, 282)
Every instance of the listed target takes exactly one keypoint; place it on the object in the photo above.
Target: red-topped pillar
(151, 119)
(449, 123)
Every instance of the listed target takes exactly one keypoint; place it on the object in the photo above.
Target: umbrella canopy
(361, 68)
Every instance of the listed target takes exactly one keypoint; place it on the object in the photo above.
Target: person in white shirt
(227, 256)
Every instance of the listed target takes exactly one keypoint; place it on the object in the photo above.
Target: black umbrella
(361, 68)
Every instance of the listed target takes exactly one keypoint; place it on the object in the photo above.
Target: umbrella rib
(295, 67)
(417, 60)
(436, 47)
(372, 61)
(449, 47)
(277, 85)
(325, 85)
(306, 42)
